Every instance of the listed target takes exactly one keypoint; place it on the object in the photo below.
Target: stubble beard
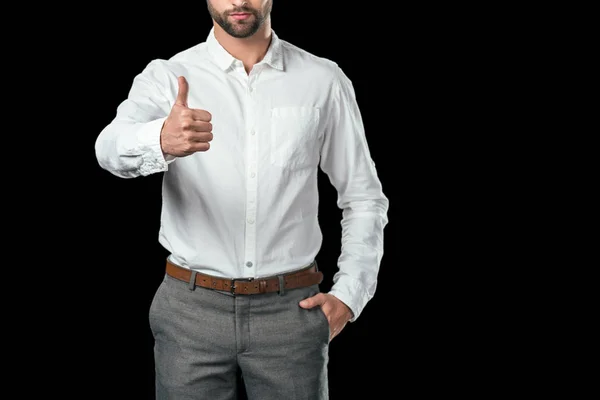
(240, 29)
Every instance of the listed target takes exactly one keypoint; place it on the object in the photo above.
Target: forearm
(363, 223)
(130, 149)
(130, 145)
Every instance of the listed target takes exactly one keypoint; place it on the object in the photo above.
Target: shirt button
(250, 221)
(253, 175)
(253, 132)
(248, 264)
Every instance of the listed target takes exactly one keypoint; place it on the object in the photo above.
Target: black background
(393, 342)
(441, 88)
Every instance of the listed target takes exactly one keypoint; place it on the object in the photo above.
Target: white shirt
(248, 206)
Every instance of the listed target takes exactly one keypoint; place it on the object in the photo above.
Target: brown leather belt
(305, 277)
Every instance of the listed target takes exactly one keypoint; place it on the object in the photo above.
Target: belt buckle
(232, 284)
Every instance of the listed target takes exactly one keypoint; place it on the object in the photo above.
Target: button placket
(251, 179)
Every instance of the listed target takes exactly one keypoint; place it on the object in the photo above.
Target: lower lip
(240, 16)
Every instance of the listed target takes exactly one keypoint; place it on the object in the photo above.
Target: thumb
(182, 94)
(316, 300)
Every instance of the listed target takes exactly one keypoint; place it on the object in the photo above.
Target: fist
(186, 130)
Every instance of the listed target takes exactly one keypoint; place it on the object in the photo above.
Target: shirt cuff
(153, 158)
(351, 293)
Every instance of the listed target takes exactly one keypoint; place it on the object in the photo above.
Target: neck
(250, 50)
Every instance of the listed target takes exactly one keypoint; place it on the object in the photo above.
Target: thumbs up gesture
(186, 130)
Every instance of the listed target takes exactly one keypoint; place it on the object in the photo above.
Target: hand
(185, 130)
(338, 314)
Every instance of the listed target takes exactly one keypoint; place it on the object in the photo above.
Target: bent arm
(129, 146)
(346, 159)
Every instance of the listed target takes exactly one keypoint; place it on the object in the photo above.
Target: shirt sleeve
(346, 160)
(129, 146)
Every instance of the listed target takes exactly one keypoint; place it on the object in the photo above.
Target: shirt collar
(273, 58)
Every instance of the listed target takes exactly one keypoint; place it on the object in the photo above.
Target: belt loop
(281, 285)
(192, 284)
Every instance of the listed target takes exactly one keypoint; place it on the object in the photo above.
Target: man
(239, 125)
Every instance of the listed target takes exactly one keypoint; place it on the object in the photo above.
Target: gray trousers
(202, 337)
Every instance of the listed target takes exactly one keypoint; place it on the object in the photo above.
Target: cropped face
(240, 19)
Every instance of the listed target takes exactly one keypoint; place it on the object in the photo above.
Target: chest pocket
(294, 137)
